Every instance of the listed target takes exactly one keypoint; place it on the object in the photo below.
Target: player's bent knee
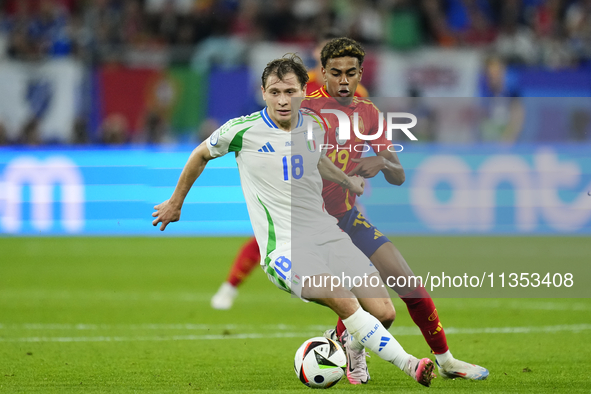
(381, 308)
(388, 317)
(386, 314)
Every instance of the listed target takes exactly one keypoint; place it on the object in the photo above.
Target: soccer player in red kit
(342, 60)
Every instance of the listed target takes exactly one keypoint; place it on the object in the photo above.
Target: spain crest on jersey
(336, 134)
(310, 142)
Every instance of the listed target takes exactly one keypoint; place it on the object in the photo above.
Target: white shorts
(331, 253)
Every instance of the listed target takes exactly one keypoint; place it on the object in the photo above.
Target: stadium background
(106, 98)
(102, 101)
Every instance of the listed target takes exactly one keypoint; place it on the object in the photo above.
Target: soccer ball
(320, 363)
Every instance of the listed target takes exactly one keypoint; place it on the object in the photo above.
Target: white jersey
(279, 176)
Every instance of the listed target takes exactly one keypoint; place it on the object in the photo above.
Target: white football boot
(332, 334)
(453, 369)
(224, 298)
(357, 372)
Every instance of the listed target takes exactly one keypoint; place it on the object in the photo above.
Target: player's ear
(360, 72)
(263, 92)
(304, 89)
(324, 74)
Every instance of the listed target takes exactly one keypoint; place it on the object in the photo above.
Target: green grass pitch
(131, 315)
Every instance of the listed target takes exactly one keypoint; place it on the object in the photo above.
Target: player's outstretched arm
(332, 173)
(384, 161)
(170, 210)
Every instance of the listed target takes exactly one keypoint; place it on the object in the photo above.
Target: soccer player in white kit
(281, 169)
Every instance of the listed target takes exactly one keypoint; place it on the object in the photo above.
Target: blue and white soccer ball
(320, 363)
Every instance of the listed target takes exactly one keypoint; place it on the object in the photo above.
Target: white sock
(443, 357)
(367, 331)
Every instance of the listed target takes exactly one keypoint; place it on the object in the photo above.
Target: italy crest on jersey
(310, 143)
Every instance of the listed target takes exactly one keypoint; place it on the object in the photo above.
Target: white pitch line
(397, 331)
(163, 338)
(551, 306)
(104, 295)
(7, 296)
(520, 330)
(130, 327)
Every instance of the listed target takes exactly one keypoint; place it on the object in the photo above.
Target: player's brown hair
(289, 63)
(340, 47)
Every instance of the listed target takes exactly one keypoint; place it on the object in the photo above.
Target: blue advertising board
(113, 192)
(476, 189)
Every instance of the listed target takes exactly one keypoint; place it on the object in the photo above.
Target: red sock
(248, 258)
(423, 313)
(340, 328)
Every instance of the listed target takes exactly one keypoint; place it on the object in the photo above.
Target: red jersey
(337, 202)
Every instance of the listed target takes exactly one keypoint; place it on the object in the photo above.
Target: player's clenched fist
(166, 213)
(356, 184)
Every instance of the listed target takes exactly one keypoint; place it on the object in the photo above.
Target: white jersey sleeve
(228, 138)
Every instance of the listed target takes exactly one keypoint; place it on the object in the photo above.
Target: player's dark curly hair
(289, 63)
(340, 47)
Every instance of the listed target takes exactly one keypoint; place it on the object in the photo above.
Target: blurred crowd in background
(553, 34)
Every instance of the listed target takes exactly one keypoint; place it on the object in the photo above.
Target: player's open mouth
(344, 92)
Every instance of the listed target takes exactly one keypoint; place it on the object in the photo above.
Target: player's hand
(368, 166)
(356, 185)
(165, 213)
